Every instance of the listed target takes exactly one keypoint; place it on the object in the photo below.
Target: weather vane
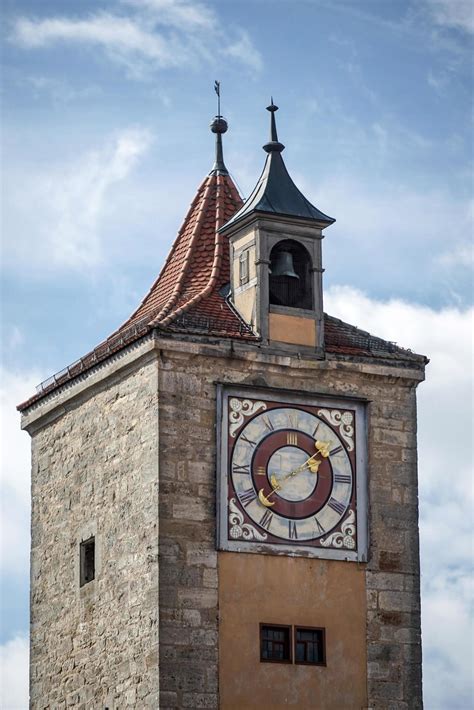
(217, 89)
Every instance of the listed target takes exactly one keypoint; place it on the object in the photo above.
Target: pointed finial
(274, 146)
(219, 126)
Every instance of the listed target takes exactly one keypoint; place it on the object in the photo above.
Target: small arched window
(290, 275)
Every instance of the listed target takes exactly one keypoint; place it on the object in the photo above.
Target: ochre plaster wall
(292, 329)
(245, 303)
(256, 589)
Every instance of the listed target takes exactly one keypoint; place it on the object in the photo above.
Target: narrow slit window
(275, 643)
(310, 646)
(87, 561)
(244, 267)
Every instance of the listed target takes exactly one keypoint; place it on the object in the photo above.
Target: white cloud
(445, 469)
(461, 255)
(419, 235)
(244, 50)
(60, 91)
(456, 14)
(67, 203)
(122, 38)
(156, 35)
(177, 13)
(14, 662)
(15, 387)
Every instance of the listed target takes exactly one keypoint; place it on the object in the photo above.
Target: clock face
(290, 476)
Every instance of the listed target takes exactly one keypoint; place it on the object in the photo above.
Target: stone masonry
(95, 468)
(188, 560)
(95, 472)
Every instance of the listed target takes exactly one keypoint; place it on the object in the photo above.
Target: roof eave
(248, 217)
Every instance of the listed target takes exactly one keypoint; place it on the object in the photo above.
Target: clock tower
(224, 491)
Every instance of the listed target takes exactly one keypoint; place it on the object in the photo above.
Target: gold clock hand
(309, 464)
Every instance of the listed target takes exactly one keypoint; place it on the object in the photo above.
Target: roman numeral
(261, 471)
(247, 496)
(266, 520)
(248, 441)
(316, 429)
(336, 505)
(292, 532)
(335, 451)
(268, 424)
(292, 438)
(293, 419)
(342, 478)
(241, 469)
(319, 526)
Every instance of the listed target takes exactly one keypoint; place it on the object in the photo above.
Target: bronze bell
(283, 265)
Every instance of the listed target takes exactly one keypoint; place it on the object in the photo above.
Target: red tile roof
(187, 296)
(197, 267)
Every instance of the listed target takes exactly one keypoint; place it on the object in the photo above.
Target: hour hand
(274, 483)
(264, 500)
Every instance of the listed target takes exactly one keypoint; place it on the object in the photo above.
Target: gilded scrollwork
(242, 408)
(345, 538)
(239, 529)
(343, 420)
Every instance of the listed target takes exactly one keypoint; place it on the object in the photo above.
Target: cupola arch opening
(290, 275)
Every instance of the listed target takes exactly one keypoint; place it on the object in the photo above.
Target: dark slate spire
(219, 126)
(275, 192)
(274, 145)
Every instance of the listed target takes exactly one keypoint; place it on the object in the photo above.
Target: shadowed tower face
(224, 491)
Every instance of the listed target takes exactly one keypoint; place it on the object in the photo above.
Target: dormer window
(290, 276)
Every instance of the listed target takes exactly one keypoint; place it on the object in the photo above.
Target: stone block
(385, 690)
(398, 601)
(384, 652)
(198, 598)
(180, 383)
(168, 700)
(191, 510)
(198, 554)
(200, 700)
(381, 581)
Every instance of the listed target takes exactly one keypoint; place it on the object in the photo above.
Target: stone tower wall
(189, 580)
(95, 472)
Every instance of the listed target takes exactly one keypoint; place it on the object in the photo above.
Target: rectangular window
(244, 267)
(275, 643)
(87, 561)
(310, 646)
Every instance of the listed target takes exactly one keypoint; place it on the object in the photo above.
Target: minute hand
(310, 464)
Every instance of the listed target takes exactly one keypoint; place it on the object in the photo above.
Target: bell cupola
(276, 270)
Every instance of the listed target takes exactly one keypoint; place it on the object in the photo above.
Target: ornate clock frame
(291, 473)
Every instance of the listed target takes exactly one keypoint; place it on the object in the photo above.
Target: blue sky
(106, 111)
